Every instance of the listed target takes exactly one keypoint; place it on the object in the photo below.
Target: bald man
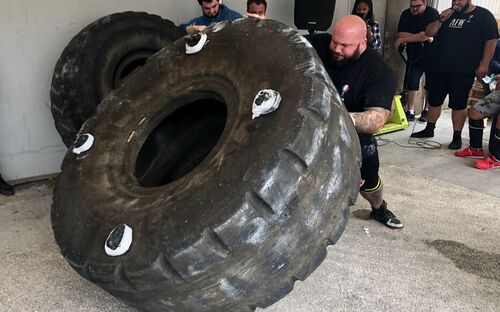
(367, 87)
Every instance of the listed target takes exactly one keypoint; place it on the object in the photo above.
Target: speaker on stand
(314, 15)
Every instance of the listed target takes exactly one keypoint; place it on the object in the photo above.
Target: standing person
(6, 188)
(466, 36)
(256, 8)
(487, 107)
(368, 87)
(494, 69)
(364, 9)
(419, 49)
(213, 12)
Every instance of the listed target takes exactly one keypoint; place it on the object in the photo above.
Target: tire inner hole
(129, 64)
(180, 142)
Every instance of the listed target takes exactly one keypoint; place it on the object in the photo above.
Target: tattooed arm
(371, 120)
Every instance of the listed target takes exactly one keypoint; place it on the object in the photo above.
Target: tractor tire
(227, 212)
(98, 59)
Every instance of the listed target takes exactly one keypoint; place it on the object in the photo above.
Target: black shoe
(423, 116)
(426, 133)
(6, 188)
(455, 144)
(385, 216)
(410, 116)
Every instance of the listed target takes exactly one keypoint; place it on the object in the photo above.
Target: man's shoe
(426, 133)
(423, 116)
(470, 152)
(410, 116)
(489, 162)
(385, 216)
(455, 144)
(6, 188)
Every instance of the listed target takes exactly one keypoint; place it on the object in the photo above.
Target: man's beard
(418, 13)
(346, 60)
(465, 7)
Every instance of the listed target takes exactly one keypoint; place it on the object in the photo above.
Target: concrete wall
(34, 33)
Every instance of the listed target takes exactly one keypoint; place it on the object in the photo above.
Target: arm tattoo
(371, 120)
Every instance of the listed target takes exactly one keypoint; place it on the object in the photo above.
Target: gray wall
(34, 33)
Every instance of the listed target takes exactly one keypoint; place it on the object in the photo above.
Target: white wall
(33, 34)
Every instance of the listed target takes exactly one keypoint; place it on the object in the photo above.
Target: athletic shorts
(369, 167)
(457, 86)
(490, 105)
(414, 76)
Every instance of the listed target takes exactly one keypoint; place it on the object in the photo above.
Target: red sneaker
(470, 152)
(489, 162)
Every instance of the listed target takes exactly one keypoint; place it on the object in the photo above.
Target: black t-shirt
(414, 25)
(460, 41)
(370, 81)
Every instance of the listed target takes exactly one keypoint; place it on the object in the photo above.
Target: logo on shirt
(459, 22)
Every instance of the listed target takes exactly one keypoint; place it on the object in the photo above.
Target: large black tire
(242, 208)
(98, 59)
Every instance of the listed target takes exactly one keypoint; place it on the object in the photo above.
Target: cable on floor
(427, 144)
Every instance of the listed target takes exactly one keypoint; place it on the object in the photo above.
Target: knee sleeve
(371, 186)
(476, 124)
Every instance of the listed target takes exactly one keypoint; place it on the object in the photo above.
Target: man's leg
(437, 93)
(459, 95)
(410, 112)
(458, 117)
(492, 161)
(476, 126)
(428, 132)
(414, 77)
(425, 109)
(490, 106)
(372, 189)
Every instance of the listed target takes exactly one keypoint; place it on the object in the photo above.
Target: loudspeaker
(314, 14)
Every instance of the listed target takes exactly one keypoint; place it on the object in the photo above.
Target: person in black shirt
(487, 107)
(367, 88)
(465, 37)
(419, 47)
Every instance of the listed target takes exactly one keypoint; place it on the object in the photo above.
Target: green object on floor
(398, 119)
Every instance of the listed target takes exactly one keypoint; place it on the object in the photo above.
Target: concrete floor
(447, 258)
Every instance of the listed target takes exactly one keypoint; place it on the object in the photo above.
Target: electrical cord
(427, 144)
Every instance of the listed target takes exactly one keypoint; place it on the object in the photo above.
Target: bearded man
(465, 36)
(213, 12)
(367, 88)
(419, 49)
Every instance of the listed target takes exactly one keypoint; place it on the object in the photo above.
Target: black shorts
(457, 86)
(369, 168)
(415, 74)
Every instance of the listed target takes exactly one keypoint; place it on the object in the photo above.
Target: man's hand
(481, 71)
(371, 120)
(262, 17)
(195, 28)
(398, 43)
(406, 37)
(446, 15)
